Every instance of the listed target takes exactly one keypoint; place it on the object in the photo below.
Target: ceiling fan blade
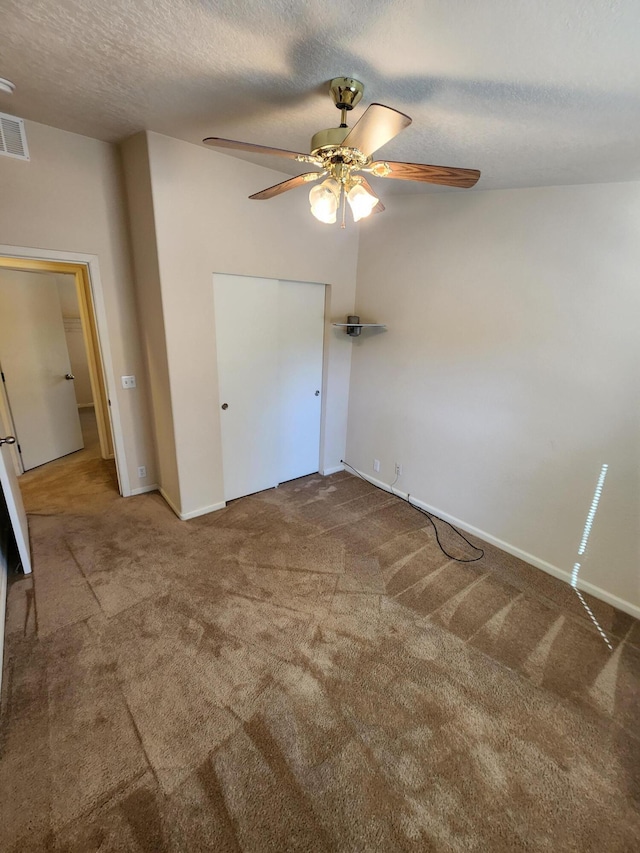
(291, 184)
(217, 142)
(367, 186)
(377, 126)
(445, 175)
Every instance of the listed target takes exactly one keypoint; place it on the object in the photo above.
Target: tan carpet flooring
(302, 671)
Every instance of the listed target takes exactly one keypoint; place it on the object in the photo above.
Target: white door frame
(17, 514)
(102, 327)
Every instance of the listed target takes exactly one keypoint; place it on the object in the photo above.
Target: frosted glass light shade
(324, 200)
(361, 202)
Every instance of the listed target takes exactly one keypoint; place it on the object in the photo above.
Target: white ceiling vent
(13, 139)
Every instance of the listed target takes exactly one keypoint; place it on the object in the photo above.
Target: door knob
(317, 394)
(225, 406)
(9, 439)
(69, 376)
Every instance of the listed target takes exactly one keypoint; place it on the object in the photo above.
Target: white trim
(328, 471)
(549, 568)
(205, 510)
(97, 295)
(608, 597)
(142, 490)
(4, 568)
(185, 516)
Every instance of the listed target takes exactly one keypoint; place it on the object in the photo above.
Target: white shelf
(354, 327)
(362, 325)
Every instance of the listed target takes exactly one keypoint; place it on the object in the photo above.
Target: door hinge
(3, 379)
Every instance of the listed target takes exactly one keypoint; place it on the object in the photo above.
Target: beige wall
(204, 224)
(507, 377)
(510, 370)
(69, 197)
(135, 157)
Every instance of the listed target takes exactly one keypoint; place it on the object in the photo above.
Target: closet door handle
(224, 406)
(317, 394)
(69, 376)
(9, 439)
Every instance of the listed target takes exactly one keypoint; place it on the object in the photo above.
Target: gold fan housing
(346, 92)
(332, 137)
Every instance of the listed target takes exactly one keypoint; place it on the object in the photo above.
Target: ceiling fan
(341, 153)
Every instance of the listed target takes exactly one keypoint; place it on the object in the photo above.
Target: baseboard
(326, 472)
(549, 568)
(185, 516)
(141, 490)
(603, 595)
(205, 510)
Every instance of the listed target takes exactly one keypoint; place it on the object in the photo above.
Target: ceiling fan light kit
(324, 199)
(340, 153)
(361, 202)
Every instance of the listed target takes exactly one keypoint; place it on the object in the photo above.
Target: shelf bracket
(354, 327)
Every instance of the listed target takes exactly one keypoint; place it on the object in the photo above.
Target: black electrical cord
(429, 515)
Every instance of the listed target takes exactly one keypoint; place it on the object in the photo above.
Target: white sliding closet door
(300, 333)
(269, 337)
(246, 320)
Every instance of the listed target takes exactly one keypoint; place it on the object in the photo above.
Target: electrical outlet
(398, 469)
(142, 472)
(376, 464)
(128, 381)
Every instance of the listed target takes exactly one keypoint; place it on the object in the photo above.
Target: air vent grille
(13, 139)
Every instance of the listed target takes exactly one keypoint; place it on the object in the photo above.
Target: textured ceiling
(532, 94)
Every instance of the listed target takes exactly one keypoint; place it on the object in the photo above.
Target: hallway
(71, 480)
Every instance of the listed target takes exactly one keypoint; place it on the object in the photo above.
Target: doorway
(81, 333)
(39, 385)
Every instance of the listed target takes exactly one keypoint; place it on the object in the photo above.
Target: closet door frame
(262, 463)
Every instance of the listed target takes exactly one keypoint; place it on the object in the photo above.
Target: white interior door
(300, 347)
(35, 362)
(13, 499)
(269, 337)
(246, 322)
